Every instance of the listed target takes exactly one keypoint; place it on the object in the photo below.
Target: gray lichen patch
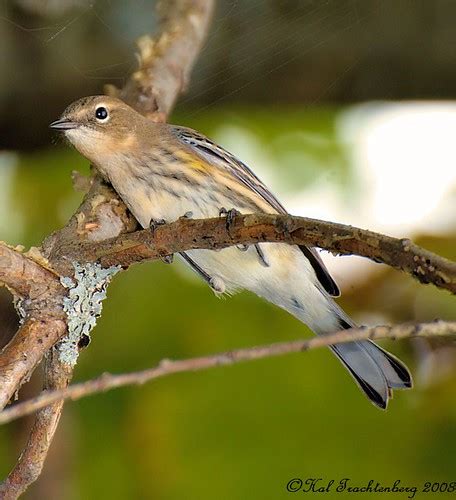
(83, 305)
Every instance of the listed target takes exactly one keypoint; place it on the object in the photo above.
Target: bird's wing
(216, 155)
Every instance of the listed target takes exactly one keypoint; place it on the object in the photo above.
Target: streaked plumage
(163, 172)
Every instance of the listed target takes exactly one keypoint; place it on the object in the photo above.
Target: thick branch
(23, 353)
(30, 464)
(42, 295)
(186, 234)
(166, 60)
(24, 276)
(168, 367)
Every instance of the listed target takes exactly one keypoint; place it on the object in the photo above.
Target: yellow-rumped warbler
(162, 172)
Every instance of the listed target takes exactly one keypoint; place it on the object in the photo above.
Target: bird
(163, 172)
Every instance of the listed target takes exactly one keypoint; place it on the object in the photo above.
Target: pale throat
(100, 147)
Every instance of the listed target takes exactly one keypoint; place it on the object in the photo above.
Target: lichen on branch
(83, 305)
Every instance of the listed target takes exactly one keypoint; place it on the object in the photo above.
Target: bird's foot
(154, 223)
(230, 216)
(187, 215)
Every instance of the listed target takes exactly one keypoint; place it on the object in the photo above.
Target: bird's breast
(155, 195)
(156, 188)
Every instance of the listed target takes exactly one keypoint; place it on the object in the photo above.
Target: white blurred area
(402, 159)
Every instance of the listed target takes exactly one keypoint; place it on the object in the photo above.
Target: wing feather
(214, 154)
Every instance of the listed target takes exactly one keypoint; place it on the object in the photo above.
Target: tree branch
(17, 363)
(166, 61)
(102, 215)
(186, 234)
(25, 277)
(30, 464)
(167, 367)
(40, 294)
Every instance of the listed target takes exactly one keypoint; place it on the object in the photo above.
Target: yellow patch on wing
(248, 198)
(194, 162)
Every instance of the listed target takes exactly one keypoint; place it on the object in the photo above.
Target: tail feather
(366, 372)
(375, 370)
(396, 373)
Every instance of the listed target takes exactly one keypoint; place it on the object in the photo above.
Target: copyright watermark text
(347, 485)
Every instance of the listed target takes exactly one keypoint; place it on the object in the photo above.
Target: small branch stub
(83, 306)
(20, 309)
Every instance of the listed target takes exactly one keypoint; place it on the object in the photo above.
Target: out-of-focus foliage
(263, 51)
(233, 432)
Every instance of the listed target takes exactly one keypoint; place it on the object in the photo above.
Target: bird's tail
(376, 371)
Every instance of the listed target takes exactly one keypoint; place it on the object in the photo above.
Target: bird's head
(97, 126)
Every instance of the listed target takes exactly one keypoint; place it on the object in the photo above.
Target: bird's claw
(154, 223)
(168, 259)
(187, 215)
(230, 216)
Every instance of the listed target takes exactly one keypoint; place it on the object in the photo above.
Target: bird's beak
(63, 124)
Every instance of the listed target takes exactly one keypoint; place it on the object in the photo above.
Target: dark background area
(268, 52)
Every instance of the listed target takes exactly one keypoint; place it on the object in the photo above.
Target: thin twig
(108, 381)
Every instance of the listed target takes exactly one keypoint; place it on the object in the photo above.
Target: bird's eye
(101, 113)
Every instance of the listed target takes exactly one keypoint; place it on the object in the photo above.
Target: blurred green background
(243, 432)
